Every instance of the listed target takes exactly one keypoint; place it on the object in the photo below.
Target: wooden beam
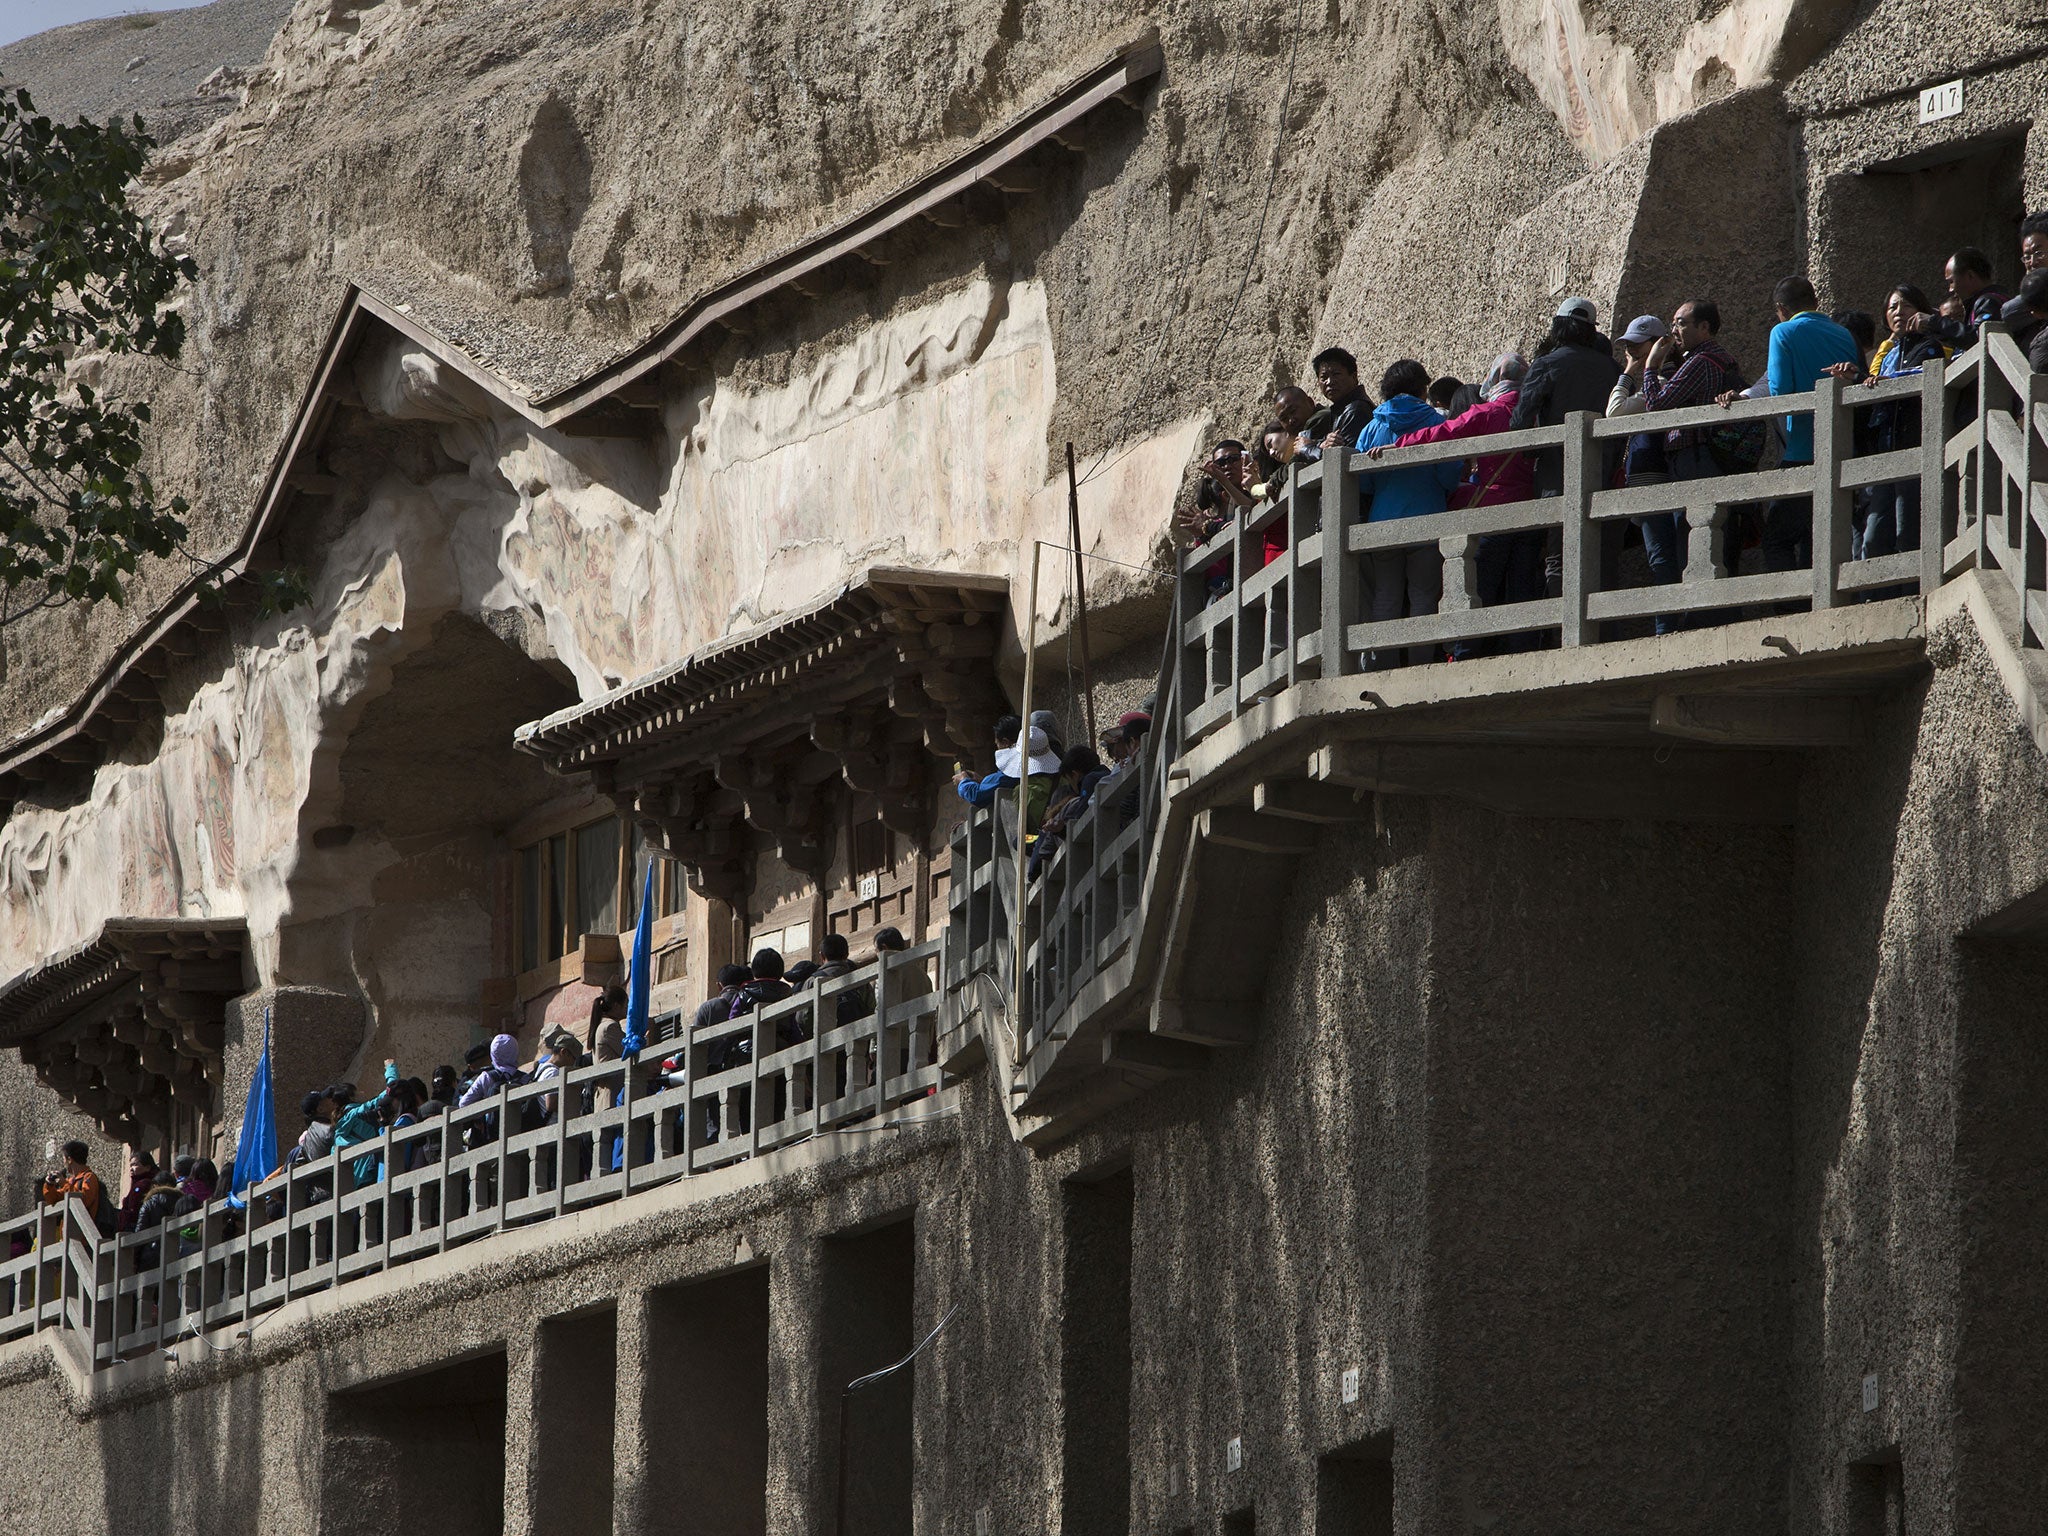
(1312, 801)
(1234, 827)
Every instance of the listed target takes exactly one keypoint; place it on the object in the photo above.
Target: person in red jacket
(141, 1173)
(1510, 564)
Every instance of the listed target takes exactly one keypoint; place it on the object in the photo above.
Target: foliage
(80, 274)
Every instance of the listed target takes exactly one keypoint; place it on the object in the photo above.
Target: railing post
(1933, 480)
(446, 1142)
(1295, 522)
(2033, 560)
(1341, 583)
(1581, 534)
(498, 1184)
(1983, 470)
(1833, 512)
(1460, 555)
(881, 1073)
(562, 1142)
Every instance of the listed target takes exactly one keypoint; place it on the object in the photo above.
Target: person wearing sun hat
(1030, 759)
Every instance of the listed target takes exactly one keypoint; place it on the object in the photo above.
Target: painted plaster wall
(917, 443)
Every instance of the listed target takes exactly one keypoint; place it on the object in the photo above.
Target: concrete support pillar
(523, 1436)
(315, 1035)
(634, 1488)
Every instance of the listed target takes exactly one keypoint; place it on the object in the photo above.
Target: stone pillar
(524, 1440)
(636, 1487)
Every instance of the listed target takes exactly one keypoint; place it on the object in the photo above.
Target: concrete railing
(621, 1127)
(1305, 615)
(523, 1156)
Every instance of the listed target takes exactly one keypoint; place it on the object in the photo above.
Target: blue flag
(256, 1151)
(640, 969)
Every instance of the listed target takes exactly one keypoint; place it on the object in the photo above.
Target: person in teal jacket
(1406, 583)
(358, 1124)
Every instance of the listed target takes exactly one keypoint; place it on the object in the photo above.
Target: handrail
(774, 1077)
(1306, 615)
(766, 1080)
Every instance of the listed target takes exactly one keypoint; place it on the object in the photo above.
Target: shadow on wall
(429, 1447)
(1900, 221)
(393, 893)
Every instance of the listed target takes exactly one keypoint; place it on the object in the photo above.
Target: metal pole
(1080, 597)
(1024, 795)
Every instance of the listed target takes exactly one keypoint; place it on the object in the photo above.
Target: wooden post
(1080, 602)
(1581, 533)
(1023, 795)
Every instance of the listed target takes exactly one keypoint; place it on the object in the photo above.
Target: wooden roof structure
(133, 1020)
(868, 687)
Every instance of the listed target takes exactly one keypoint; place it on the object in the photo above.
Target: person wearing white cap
(1574, 370)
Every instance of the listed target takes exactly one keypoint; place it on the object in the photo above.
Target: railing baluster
(1833, 435)
(1934, 481)
(1342, 587)
(1581, 534)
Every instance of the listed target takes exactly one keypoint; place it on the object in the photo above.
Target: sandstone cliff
(546, 182)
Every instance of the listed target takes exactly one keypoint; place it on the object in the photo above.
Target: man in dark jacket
(1350, 406)
(1970, 285)
(1574, 370)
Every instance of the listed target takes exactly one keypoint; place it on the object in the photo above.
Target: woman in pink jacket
(1510, 564)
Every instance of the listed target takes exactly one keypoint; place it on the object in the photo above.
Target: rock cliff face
(546, 182)
(542, 184)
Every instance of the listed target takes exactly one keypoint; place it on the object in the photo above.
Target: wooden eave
(117, 956)
(771, 679)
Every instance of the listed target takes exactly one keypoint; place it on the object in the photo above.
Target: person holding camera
(74, 1179)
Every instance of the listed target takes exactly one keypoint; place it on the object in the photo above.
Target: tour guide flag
(256, 1152)
(640, 970)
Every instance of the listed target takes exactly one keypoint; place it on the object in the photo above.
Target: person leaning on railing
(1573, 370)
(1805, 346)
(142, 1172)
(1406, 582)
(2030, 322)
(2033, 258)
(1975, 295)
(1510, 565)
(1888, 516)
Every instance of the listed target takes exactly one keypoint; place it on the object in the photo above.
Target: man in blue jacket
(1406, 583)
(1805, 344)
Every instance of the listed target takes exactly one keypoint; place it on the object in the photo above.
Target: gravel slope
(84, 70)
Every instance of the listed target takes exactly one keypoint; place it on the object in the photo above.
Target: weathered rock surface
(545, 183)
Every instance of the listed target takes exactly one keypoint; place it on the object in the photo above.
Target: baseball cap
(1578, 309)
(1644, 328)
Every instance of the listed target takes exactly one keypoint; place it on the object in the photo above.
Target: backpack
(1736, 447)
(105, 1217)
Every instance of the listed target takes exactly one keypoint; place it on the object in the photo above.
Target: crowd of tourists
(337, 1121)
(1655, 365)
